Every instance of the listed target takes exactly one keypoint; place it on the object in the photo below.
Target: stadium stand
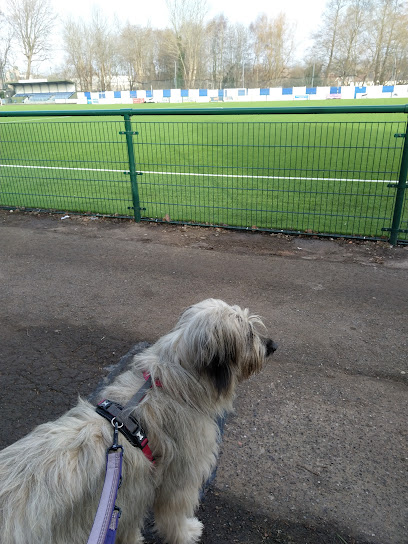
(48, 97)
(42, 91)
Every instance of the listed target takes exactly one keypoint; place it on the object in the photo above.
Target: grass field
(318, 173)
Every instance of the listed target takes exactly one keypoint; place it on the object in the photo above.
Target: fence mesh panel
(314, 177)
(65, 166)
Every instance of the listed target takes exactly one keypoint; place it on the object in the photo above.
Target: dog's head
(222, 343)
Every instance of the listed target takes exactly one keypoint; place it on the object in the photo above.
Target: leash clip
(115, 446)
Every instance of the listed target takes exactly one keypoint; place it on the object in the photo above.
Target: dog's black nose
(271, 347)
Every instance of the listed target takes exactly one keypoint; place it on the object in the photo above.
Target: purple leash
(107, 515)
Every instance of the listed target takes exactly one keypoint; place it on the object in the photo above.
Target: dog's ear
(211, 337)
(218, 370)
(220, 356)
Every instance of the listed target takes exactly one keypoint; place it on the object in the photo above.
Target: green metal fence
(342, 172)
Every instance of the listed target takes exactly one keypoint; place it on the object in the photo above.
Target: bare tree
(187, 23)
(92, 51)
(32, 21)
(326, 37)
(386, 37)
(351, 36)
(5, 46)
(357, 40)
(79, 50)
(169, 72)
(131, 53)
(273, 48)
(217, 32)
(362, 39)
(138, 48)
(400, 64)
(104, 50)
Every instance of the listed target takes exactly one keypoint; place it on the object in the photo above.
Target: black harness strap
(127, 424)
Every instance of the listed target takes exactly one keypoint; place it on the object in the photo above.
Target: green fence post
(132, 166)
(399, 197)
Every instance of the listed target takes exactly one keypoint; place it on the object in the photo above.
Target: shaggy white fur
(51, 480)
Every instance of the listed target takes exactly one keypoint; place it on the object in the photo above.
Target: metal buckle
(115, 446)
(138, 434)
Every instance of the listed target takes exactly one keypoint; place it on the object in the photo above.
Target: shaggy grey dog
(51, 480)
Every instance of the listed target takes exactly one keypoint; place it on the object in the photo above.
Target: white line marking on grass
(246, 176)
(197, 174)
(59, 168)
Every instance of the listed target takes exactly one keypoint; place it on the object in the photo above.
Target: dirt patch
(308, 247)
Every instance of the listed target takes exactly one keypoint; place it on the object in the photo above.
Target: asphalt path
(316, 451)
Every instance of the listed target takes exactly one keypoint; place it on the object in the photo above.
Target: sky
(155, 11)
(305, 15)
